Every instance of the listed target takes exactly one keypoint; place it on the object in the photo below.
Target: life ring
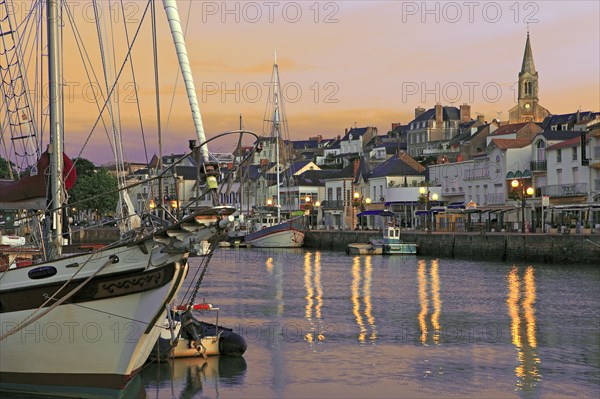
(264, 227)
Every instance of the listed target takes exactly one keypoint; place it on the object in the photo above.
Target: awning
(389, 203)
(423, 212)
(575, 206)
(377, 213)
(456, 205)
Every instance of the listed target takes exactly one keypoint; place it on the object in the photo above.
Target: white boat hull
(102, 334)
(363, 249)
(101, 342)
(287, 234)
(278, 239)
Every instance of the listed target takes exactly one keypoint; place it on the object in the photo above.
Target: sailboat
(269, 228)
(82, 324)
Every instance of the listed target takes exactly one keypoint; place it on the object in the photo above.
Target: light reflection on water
(326, 324)
(524, 340)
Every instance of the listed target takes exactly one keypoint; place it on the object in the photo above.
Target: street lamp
(307, 202)
(269, 202)
(522, 194)
(360, 202)
(426, 195)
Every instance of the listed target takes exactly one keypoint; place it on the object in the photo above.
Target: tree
(84, 167)
(96, 191)
(4, 169)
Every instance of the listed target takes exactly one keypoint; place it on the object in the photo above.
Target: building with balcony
(336, 205)
(568, 176)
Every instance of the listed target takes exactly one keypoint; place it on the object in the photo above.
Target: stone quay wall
(547, 248)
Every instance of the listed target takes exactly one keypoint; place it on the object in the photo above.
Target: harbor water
(327, 324)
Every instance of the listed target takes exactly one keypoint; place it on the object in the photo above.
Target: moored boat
(364, 249)
(392, 244)
(87, 323)
(186, 336)
(272, 234)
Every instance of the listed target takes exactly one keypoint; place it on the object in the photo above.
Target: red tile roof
(574, 142)
(513, 128)
(504, 144)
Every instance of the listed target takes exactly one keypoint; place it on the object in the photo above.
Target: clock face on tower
(527, 106)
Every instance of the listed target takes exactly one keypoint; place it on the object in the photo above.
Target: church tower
(528, 108)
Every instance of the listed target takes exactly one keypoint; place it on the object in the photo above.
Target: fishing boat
(268, 227)
(391, 244)
(78, 325)
(268, 230)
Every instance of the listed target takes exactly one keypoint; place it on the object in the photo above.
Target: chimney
(465, 113)
(481, 118)
(439, 115)
(356, 166)
(395, 125)
(419, 111)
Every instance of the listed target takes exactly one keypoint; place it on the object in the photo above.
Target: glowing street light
(426, 194)
(360, 202)
(522, 193)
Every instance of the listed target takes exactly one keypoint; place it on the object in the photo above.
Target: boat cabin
(264, 221)
(391, 233)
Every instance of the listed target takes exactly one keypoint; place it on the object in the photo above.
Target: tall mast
(56, 149)
(186, 71)
(276, 130)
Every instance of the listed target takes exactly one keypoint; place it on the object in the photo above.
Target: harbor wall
(547, 248)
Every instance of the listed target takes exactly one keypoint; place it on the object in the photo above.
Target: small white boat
(364, 249)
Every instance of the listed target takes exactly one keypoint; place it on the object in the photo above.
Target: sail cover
(29, 192)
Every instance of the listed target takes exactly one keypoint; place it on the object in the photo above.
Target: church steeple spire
(527, 108)
(528, 65)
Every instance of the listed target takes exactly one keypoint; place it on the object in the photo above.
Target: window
(330, 194)
(541, 150)
(558, 156)
(338, 194)
(559, 176)
(575, 175)
(574, 153)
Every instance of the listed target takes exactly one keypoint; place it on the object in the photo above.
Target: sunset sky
(342, 63)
